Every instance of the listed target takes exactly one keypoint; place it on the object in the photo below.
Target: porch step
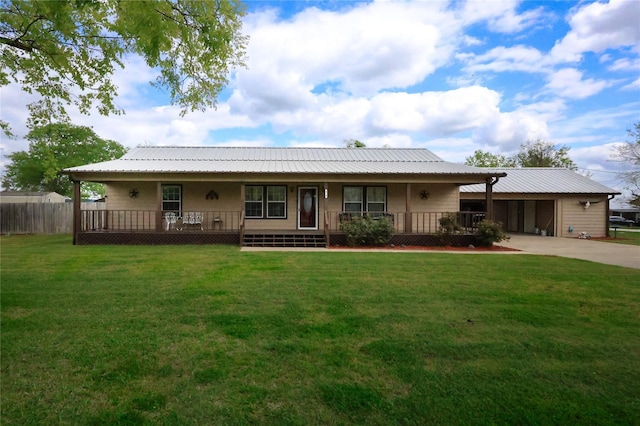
(284, 240)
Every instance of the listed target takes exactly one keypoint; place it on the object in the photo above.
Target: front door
(307, 207)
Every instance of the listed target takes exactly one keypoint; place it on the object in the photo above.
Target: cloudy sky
(452, 77)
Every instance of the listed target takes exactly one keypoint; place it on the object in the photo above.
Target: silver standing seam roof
(278, 160)
(541, 180)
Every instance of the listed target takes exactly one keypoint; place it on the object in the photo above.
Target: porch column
(159, 206)
(77, 218)
(489, 198)
(408, 221)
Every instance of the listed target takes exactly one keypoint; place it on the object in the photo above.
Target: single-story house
(31, 197)
(300, 196)
(551, 201)
(271, 196)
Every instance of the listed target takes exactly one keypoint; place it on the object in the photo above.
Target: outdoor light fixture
(326, 193)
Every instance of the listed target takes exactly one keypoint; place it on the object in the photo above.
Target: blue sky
(452, 77)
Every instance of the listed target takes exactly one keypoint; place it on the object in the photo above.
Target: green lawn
(192, 335)
(625, 237)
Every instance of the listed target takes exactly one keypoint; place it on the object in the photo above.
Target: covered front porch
(105, 226)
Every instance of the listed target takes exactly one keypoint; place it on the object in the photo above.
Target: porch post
(159, 206)
(77, 218)
(408, 220)
(489, 198)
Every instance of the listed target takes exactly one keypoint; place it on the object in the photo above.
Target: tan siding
(591, 220)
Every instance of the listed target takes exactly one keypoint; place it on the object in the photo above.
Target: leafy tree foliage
(66, 51)
(486, 159)
(629, 153)
(531, 154)
(52, 148)
(354, 143)
(544, 154)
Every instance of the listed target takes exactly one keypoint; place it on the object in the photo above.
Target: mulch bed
(429, 248)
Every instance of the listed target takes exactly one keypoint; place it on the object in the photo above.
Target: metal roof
(278, 160)
(541, 180)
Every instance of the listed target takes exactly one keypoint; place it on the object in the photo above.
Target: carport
(551, 201)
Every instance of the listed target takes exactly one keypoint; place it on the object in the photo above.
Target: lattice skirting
(177, 238)
(415, 240)
(130, 238)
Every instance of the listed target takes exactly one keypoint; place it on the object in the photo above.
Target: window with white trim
(376, 199)
(172, 198)
(276, 202)
(265, 201)
(364, 199)
(253, 201)
(353, 199)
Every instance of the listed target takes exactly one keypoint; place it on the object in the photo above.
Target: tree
(354, 143)
(544, 154)
(54, 147)
(629, 153)
(531, 154)
(67, 51)
(487, 159)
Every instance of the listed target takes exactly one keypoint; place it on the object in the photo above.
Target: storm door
(307, 207)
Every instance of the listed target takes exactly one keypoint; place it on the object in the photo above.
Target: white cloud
(435, 113)
(500, 16)
(510, 129)
(506, 59)
(596, 27)
(568, 83)
(634, 85)
(625, 64)
(360, 51)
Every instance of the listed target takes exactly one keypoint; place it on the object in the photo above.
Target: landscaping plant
(489, 232)
(367, 231)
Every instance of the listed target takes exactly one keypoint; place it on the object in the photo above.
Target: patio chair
(192, 219)
(170, 219)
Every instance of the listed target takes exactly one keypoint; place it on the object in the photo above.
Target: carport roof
(541, 180)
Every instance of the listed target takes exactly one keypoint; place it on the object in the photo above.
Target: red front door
(308, 208)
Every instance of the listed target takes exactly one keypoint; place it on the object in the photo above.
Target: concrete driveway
(595, 251)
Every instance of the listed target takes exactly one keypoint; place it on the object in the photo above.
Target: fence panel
(36, 218)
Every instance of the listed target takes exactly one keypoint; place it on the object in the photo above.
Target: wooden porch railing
(413, 222)
(233, 221)
(152, 220)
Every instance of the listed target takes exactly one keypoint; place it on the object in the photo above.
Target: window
(353, 199)
(276, 201)
(365, 199)
(376, 199)
(269, 199)
(253, 201)
(172, 198)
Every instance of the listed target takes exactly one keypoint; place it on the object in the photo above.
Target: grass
(195, 335)
(625, 237)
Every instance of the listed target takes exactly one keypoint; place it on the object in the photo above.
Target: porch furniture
(217, 222)
(345, 217)
(192, 219)
(170, 220)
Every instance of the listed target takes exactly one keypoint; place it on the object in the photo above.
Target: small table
(615, 230)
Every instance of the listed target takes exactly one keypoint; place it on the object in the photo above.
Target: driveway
(595, 251)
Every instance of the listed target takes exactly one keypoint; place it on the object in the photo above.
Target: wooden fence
(39, 218)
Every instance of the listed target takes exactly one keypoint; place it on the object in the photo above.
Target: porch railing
(153, 220)
(233, 221)
(410, 222)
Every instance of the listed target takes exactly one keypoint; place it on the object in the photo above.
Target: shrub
(365, 231)
(448, 226)
(489, 232)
